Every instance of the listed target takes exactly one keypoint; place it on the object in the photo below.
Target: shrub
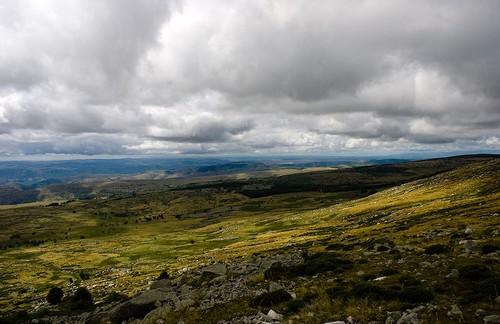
(409, 281)
(55, 295)
(322, 262)
(475, 272)
(163, 275)
(388, 272)
(368, 290)
(270, 299)
(338, 292)
(82, 299)
(437, 249)
(483, 290)
(383, 248)
(84, 275)
(415, 295)
(489, 248)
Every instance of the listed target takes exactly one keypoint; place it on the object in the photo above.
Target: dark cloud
(192, 76)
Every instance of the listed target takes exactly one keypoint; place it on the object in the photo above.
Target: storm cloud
(193, 76)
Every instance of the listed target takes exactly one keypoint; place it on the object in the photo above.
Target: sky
(129, 77)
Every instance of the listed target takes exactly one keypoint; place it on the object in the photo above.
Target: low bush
(163, 275)
(270, 299)
(55, 295)
(475, 272)
(489, 248)
(437, 249)
(415, 295)
(82, 299)
(368, 290)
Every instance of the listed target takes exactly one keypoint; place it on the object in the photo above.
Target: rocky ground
(349, 281)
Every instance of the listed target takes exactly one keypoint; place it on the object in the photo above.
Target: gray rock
(480, 312)
(159, 284)
(218, 269)
(453, 274)
(273, 286)
(409, 318)
(218, 280)
(392, 317)
(491, 319)
(141, 305)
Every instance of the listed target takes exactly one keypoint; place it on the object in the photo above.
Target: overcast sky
(147, 77)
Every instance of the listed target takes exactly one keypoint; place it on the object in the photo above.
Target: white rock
(468, 231)
(274, 316)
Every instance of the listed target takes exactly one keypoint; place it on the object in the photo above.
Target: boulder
(141, 305)
(160, 284)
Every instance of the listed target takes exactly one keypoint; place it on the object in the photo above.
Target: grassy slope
(221, 225)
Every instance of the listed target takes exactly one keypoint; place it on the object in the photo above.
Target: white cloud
(260, 76)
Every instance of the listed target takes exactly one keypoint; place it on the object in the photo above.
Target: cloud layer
(193, 76)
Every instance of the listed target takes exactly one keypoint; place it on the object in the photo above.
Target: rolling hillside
(342, 252)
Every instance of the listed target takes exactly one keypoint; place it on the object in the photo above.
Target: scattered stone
(468, 231)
